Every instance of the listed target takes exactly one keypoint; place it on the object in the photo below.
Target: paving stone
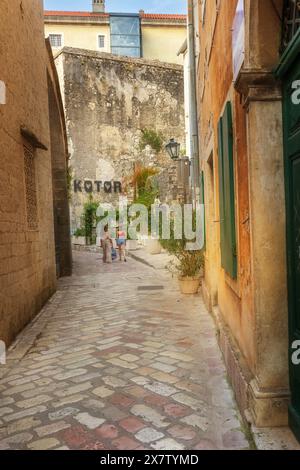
(176, 411)
(9, 378)
(104, 347)
(149, 415)
(109, 340)
(6, 410)
(124, 364)
(6, 401)
(114, 382)
(21, 438)
(156, 401)
(125, 443)
(188, 401)
(182, 432)
(74, 390)
(63, 413)
(140, 380)
(70, 374)
(43, 444)
(18, 389)
(178, 356)
(167, 444)
(93, 405)
(129, 357)
(53, 428)
(163, 377)
(90, 421)
(69, 400)
(196, 421)
(132, 425)
(161, 389)
(112, 413)
(24, 380)
(163, 367)
(147, 435)
(103, 392)
(23, 425)
(30, 402)
(121, 400)
(136, 391)
(22, 414)
(107, 431)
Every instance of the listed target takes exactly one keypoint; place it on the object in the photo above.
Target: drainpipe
(194, 138)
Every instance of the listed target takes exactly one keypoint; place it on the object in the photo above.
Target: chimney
(98, 6)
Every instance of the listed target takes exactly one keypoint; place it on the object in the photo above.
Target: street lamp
(173, 149)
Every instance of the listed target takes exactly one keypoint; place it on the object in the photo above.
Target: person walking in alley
(121, 243)
(106, 244)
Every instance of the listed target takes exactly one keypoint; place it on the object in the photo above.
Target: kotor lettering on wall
(89, 186)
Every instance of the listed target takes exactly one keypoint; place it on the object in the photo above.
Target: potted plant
(153, 246)
(187, 264)
(189, 267)
(79, 237)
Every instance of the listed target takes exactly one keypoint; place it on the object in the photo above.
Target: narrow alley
(120, 360)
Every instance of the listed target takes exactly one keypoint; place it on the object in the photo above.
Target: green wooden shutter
(227, 193)
(221, 191)
(202, 201)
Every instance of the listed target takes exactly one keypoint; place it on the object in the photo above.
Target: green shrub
(152, 138)
(80, 232)
(186, 263)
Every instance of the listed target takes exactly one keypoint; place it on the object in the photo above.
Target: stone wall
(27, 252)
(108, 101)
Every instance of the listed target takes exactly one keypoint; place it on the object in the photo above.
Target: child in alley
(121, 243)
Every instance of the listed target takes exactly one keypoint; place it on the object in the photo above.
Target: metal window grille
(291, 21)
(55, 40)
(30, 188)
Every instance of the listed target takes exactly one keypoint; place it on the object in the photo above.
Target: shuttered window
(227, 193)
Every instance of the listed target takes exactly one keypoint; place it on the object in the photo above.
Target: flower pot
(189, 285)
(78, 240)
(132, 245)
(153, 247)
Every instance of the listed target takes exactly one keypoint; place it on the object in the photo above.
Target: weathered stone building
(109, 100)
(33, 162)
(147, 35)
(250, 147)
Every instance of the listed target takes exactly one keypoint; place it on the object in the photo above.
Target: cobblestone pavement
(123, 362)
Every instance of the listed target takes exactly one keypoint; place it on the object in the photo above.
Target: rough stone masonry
(109, 100)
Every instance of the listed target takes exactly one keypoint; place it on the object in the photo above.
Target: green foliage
(80, 232)
(187, 263)
(152, 138)
(69, 181)
(141, 177)
(90, 219)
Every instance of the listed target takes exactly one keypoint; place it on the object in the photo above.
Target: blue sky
(132, 6)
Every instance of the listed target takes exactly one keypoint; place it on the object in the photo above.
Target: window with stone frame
(30, 187)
